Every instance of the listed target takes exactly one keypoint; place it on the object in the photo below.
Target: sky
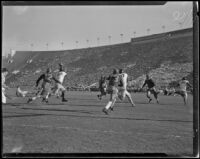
(41, 28)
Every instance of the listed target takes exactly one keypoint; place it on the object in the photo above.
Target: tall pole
(62, 44)
(148, 30)
(31, 47)
(163, 27)
(180, 25)
(87, 42)
(76, 44)
(98, 41)
(134, 33)
(47, 45)
(121, 37)
(109, 37)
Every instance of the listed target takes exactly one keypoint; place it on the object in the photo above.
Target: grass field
(80, 126)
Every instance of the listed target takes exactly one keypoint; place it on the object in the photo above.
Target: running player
(123, 87)
(151, 88)
(59, 87)
(183, 89)
(112, 90)
(46, 86)
(3, 85)
(102, 87)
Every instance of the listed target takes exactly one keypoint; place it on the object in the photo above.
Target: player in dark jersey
(151, 88)
(112, 90)
(46, 86)
(102, 87)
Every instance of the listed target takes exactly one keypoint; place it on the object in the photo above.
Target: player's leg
(148, 95)
(63, 91)
(46, 92)
(113, 95)
(105, 110)
(3, 96)
(37, 95)
(129, 97)
(114, 98)
(155, 93)
(185, 97)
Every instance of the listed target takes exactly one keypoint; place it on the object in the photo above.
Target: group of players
(116, 87)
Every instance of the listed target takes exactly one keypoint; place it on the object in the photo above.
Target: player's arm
(144, 83)
(189, 84)
(56, 80)
(39, 79)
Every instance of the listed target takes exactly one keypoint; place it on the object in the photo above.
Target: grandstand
(156, 54)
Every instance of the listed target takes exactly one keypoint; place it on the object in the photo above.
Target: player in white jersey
(59, 87)
(183, 89)
(3, 85)
(122, 87)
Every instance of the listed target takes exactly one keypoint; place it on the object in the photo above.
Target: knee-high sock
(108, 105)
(113, 102)
(63, 94)
(129, 98)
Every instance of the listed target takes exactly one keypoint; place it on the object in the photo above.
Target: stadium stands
(85, 66)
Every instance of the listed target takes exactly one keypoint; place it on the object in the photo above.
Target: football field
(80, 126)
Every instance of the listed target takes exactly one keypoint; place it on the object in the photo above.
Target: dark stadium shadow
(107, 116)
(85, 105)
(23, 115)
(62, 110)
(83, 99)
(94, 117)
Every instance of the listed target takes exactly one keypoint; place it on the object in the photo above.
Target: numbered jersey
(113, 80)
(123, 80)
(48, 77)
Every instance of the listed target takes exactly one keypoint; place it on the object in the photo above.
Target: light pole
(31, 47)
(76, 44)
(109, 38)
(134, 33)
(180, 25)
(148, 30)
(163, 27)
(121, 37)
(62, 43)
(98, 39)
(47, 45)
(87, 42)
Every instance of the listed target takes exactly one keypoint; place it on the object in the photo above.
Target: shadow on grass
(94, 116)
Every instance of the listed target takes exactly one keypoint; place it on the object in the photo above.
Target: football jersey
(123, 78)
(61, 76)
(183, 84)
(113, 80)
(150, 83)
(48, 77)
